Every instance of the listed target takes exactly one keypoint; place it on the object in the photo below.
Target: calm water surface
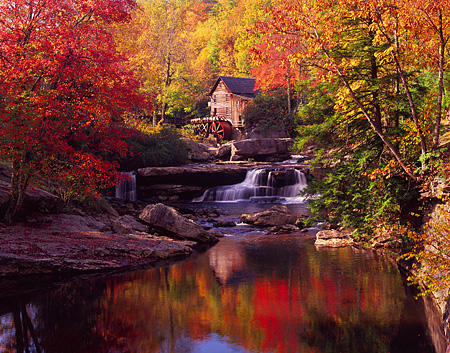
(249, 293)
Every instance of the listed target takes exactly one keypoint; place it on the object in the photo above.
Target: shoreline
(70, 245)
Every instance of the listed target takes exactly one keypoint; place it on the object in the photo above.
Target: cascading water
(127, 189)
(281, 184)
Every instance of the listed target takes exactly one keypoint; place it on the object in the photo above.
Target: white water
(262, 185)
(127, 189)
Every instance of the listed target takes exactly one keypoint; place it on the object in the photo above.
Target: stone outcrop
(68, 244)
(258, 148)
(36, 200)
(274, 216)
(127, 224)
(333, 238)
(187, 182)
(199, 152)
(169, 222)
(269, 149)
(224, 152)
(389, 238)
(255, 132)
(438, 188)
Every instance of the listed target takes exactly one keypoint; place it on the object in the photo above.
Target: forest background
(84, 84)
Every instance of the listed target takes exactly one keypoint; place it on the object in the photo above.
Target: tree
(378, 131)
(274, 69)
(321, 34)
(422, 19)
(430, 252)
(63, 86)
(159, 47)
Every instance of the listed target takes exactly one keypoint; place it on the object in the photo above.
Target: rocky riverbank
(73, 244)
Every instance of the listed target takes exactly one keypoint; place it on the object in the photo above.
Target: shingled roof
(238, 85)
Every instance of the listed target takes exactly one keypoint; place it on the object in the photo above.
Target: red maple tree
(63, 87)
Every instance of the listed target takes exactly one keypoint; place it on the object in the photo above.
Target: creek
(251, 292)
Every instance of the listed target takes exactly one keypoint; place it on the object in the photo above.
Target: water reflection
(248, 294)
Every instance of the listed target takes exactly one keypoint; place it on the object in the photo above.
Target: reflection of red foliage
(278, 312)
(146, 309)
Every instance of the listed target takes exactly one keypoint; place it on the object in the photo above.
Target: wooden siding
(224, 103)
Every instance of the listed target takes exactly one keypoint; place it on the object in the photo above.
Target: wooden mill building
(230, 96)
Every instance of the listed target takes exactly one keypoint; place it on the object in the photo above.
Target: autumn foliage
(63, 86)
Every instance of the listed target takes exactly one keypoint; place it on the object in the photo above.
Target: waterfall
(127, 190)
(282, 184)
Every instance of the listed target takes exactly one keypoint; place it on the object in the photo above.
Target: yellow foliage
(140, 125)
(432, 253)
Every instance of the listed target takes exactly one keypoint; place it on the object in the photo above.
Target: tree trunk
(163, 113)
(401, 73)
(19, 184)
(372, 123)
(288, 78)
(437, 123)
(374, 77)
(167, 83)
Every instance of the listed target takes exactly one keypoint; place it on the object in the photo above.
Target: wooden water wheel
(202, 129)
(220, 129)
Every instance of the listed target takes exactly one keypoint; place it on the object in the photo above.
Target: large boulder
(127, 224)
(224, 152)
(199, 152)
(333, 238)
(36, 200)
(275, 216)
(261, 148)
(167, 220)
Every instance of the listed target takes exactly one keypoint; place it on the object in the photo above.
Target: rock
(164, 192)
(286, 228)
(204, 174)
(255, 132)
(199, 152)
(127, 225)
(167, 220)
(300, 223)
(224, 152)
(36, 200)
(112, 211)
(333, 238)
(224, 224)
(61, 243)
(255, 148)
(275, 216)
(289, 228)
(438, 188)
(388, 237)
(188, 181)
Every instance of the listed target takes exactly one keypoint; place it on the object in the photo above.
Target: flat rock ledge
(333, 239)
(73, 244)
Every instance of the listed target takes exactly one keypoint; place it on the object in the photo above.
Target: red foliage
(63, 86)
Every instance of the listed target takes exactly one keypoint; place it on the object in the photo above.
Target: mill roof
(241, 86)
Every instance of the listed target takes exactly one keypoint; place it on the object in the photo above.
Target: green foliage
(315, 114)
(359, 192)
(160, 148)
(430, 252)
(362, 186)
(269, 112)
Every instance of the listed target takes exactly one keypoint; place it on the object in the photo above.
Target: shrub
(157, 148)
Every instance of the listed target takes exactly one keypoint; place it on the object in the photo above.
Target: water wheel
(220, 129)
(201, 129)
